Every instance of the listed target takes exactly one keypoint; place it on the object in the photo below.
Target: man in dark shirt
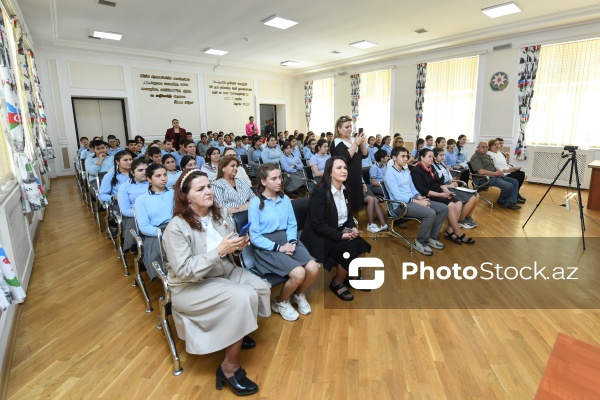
(483, 164)
(269, 128)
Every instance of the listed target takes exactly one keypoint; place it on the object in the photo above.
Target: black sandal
(470, 241)
(358, 278)
(453, 237)
(341, 291)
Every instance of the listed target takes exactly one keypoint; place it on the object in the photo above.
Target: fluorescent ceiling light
(279, 22)
(289, 63)
(501, 10)
(107, 35)
(363, 44)
(215, 52)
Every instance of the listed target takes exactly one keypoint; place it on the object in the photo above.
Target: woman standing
(274, 234)
(251, 128)
(212, 162)
(216, 303)
(175, 133)
(128, 193)
(330, 232)
(353, 149)
(232, 193)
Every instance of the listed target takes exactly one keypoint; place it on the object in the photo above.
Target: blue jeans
(509, 188)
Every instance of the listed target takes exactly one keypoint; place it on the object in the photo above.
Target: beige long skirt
(219, 311)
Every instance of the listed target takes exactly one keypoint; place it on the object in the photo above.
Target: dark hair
(136, 163)
(450, 142)
(263, 173)
(423, 152)
(83, 138)
(271, 136)
(379, 154)
(237, 138)
(182, 141)
(386, 137)
(223, 162)
(166, 157)
(152, 168)
(116, 170)
(181, 206)
(185, 160)
(167, 140)
(229, 149)
(98, 143)
(174, 119)
(152, 151)
(420, 141)
(256, 139)
(397, 150)
(186, 143)
(439, 139)
(300, 137)
(320, 143)
(437, 151)
(458, 146)
(326, 178)
(131, 141)
(111, 137)
(139, 137)
(209, 153)
(428, 137)
(285, 145)
(250, 117)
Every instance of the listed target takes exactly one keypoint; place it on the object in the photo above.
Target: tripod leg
(581, 216)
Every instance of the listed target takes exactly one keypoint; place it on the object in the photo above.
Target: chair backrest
(244, 158)
(390, 206)
(300, 207)
(308, 172)
(366, 175)
(247, 257)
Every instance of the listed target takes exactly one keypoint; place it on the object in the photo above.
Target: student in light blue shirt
(172, 173)
(428, 142)
(377, 171)
(115, 177)
(295, 150)
(399, 184)
(100, 162)
(293, 166)
(309, 150)
(112, 143)
(168, 147)
(450, 156)
(190, 149)
(387, 145)
(372, 149)
(274, 234)
(239, 148)
(154, 208)
(128, 193)
(415, 152)
(271, 153)
(317, 162)
(83, 150)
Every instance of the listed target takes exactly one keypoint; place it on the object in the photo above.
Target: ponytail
(263, 173)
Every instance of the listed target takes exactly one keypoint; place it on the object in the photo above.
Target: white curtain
(451, 97)
(322, 118)
(375, 96)
(565, 109)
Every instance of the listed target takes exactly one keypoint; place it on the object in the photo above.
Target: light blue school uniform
(107, 191)
(461, 156)
(319, 161)
(291, 163)
(271, 155)
(128, 193)
(94, 169)
(172, 178)
(400, 185)
(450, 159)
(307, 153)
(378, 172)
(276, 215)
(240, 151)
(112, 152)
(153, 210)
(296, 152)
(372, 150)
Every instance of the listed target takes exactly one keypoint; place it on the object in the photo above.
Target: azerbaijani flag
(17, 292)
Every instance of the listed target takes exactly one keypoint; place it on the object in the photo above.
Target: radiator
(544, 163)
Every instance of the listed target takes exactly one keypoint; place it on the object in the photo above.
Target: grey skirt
(278, 263)
(152, 253)
(127, 225)
(461, 196)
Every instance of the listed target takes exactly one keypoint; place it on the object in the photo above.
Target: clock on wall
(499, 81)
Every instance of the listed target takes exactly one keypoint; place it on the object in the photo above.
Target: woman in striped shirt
(233, 194)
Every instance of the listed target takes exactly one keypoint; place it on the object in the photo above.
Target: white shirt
(213, 238)
(499, 160)
(336, 141)
(340, 204)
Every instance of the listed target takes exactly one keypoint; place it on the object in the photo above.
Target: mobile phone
(244, 230)
(360, 130)
(347, 230)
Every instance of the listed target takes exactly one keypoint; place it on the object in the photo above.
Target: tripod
(572, 159)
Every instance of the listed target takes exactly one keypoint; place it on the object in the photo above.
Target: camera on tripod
(571, 148)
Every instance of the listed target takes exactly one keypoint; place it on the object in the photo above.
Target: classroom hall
(78, 328)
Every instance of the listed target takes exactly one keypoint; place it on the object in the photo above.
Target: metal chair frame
(137, 275)
(392, 217)
(484, 182)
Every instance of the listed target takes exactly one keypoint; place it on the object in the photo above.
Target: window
(374, 104)
(6, 168)
(564, 108)
(450, 97)
(321, 116)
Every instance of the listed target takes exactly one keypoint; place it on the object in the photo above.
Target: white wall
(105, 76)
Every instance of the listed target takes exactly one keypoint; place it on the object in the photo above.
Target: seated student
(501, 164)
(232, 193)
(310, 149)
(132, 147)
(100, 162)
(274, 233)
(378, 141)
(114, 147)
(239, 148)
(430, 185)
(220, 143)
(188, 163)
(450, 157)
(229, 141)
(317, 162)
(415, 152)
(373, 207)
(469, 200)
(213, 155)
(272, 153)
(254, 154)
(432, 214)
(84, 149)
(211, 139)
(190, 150)
(181, 152)
(241, 173)
(440, 142)
(142, 149)
(153, 210)
(153, 155)
(246, 142)
(202, 146)
(168, 147)
(189, 136)
(128, 192)
(281, 137)
(377, 171)
(428, 142)
(387, 141)
(172, 173)
(216, 304)
(330, 233)
(292, 165)
(300, 143)
(509, 187)
(372, 149)
(295, 149)
(120, 173)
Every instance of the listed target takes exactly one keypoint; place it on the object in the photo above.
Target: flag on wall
(11, 292)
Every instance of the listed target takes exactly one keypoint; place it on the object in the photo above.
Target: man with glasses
(482, 164)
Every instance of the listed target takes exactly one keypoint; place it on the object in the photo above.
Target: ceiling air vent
(503, 47)
(420, 30)
(107, 3)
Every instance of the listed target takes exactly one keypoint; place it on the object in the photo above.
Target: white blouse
(340, 204)
(213, 238)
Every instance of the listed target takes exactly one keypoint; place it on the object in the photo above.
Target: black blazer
(321, 227)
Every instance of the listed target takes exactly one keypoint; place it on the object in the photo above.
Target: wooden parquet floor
(83, 332)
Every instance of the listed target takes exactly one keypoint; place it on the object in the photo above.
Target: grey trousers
(432, 219)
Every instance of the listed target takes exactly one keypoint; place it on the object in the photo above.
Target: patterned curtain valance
(354, 96)
(308, 95)
(527, 73)
(421, 78)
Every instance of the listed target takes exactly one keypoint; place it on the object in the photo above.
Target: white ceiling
(181, 29)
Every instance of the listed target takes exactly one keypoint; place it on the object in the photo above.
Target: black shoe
(520, 201)
(248, 343)
(523, 199)
(510, 206)
(240, 385)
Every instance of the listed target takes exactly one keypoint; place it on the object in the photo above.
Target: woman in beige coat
(214, 303)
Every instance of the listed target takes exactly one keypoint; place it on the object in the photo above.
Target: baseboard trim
(8, 355)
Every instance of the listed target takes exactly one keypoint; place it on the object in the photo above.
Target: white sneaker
(373, 228)
(383, 228)
(285, 309)
(425, 250)
(436, 244)
(300, 301)
(465, 224)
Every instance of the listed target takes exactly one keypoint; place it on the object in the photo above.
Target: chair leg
(121, 255)
(177, 370)
(487, 201)
(393, 231)
(139, 281)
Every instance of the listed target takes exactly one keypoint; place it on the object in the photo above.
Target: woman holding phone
(353, 150)
(330, 233)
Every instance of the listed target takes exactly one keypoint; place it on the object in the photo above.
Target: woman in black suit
(330, 232)
(353, 149)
